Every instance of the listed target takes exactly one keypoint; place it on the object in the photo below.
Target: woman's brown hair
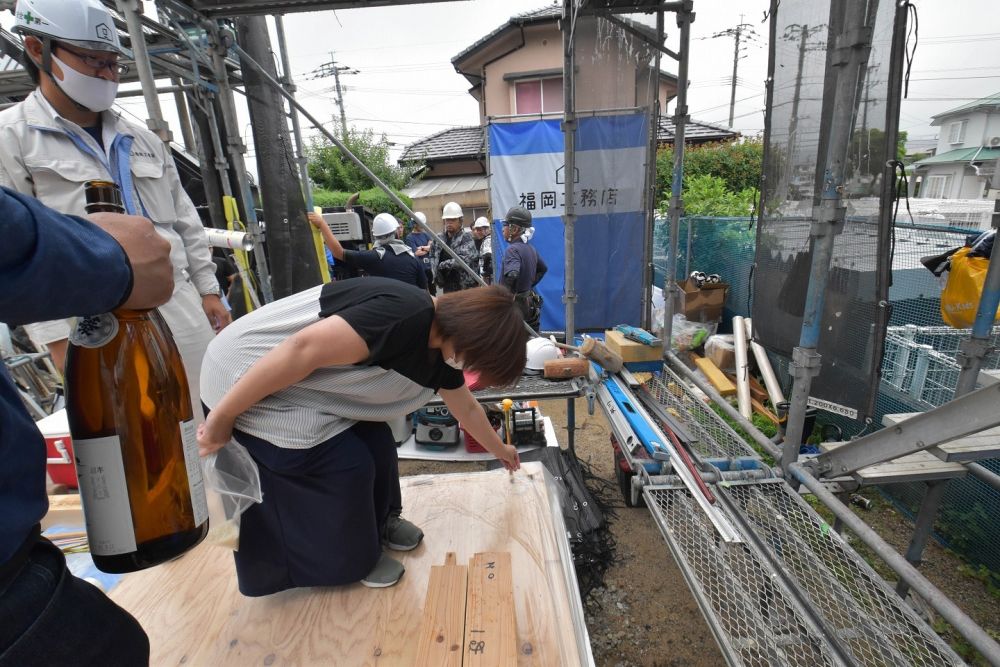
(487, 329)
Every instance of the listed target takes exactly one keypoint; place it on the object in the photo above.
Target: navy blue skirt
(322, 513)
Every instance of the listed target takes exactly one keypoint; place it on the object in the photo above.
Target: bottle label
(94, 331)
(106, 510)
(189, 437)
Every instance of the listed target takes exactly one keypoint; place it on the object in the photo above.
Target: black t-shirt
(403, 267)
(394, 319)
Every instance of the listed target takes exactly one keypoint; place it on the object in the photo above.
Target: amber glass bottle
(133, 431)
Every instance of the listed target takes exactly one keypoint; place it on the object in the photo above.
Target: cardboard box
(700, 305)
(630, 350)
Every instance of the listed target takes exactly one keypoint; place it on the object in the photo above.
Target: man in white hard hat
(484, 244)
(63, 135)
(422, 246)
(450, 276)
(390, 258)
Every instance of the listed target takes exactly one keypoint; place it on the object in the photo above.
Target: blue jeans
(50, 617)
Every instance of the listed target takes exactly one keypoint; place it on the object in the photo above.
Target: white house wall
(981, 128)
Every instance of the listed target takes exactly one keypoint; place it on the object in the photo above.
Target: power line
(741, 32)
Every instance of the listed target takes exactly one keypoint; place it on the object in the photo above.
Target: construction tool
(508, 426)
(562, 369)
(638, 335)
(596, 351)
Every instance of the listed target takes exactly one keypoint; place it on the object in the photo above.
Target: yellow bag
(960, 298)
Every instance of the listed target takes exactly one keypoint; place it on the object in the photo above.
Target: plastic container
(59, 449)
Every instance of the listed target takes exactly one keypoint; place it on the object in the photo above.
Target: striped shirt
(400, 375)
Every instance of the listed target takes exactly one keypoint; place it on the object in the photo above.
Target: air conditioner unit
(994, 142)
(346, 226)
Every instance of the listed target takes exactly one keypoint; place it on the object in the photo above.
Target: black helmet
(517, 216)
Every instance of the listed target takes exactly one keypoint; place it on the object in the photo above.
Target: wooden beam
(490, 630)
(717, 378)
(759, 408)
(442, 629)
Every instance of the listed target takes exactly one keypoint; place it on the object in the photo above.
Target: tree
(708, 196)
(737, 164)
(331, 170)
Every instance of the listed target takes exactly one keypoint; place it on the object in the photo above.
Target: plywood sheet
(194, 614)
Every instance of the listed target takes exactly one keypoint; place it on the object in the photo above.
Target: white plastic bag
(688, 335)
(232, 482)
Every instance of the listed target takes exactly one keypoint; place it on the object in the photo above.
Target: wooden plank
(490, 629)
(194, 614)
(717, 378)
(63, 509)
(630, 350)
(976, 447)
(757, 390)
(919, 466)
(759, 408)
(442, 628)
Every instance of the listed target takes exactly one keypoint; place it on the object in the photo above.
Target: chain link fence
(919, 368)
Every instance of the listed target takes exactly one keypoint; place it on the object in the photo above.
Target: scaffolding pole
(569, 124)
(130, 10)
(650, 198)
(849, 55)
(286, 80)
(685, 16)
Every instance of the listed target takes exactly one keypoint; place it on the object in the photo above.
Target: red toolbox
(59, 449)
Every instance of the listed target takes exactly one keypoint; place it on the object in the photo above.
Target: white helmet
(83, 23)
(384, 224)
(421, 217)
(481, 222)
(539, 350)
(451, 210)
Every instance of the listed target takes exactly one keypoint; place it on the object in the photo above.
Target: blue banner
(526, 169)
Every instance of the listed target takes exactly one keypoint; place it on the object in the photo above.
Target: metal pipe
(968, 628)
(922, 528)
(717, 476)
(286, 71)
(742, 367)
(853, 40)
(155, 122)
(764, 366)
(248, 60)
(685, 16)
(223, 39)
(762, 440)
(569, 161)
(984, 475)
(650, 193)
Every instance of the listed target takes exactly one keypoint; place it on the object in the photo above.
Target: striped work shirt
(399, 376)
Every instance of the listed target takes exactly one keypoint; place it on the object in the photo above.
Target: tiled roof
(988, 101)
(961, 155)
(695, 130)
(470, 142)
(452, 144)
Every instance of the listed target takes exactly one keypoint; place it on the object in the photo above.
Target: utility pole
(801, 33)
(741, 32)
(334, 69)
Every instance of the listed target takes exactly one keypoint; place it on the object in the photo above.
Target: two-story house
(516, 71)
(965, 165)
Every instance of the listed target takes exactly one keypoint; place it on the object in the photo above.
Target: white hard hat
(383, 224)
(539, 350)
(451, 210)
(481, 222)
(421, 217)
(83, 23)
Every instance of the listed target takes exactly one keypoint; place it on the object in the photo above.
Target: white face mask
(457, 365)
(88, 91)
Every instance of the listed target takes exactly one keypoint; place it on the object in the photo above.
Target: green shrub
(374, 200)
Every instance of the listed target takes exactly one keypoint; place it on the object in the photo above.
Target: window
(956, 132)
(538, 96)
(936, 187)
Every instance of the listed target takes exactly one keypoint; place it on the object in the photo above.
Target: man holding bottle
(54, 265)
(63, 135)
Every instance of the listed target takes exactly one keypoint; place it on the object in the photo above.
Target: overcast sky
(407, 88)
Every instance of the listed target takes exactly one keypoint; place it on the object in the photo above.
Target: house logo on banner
(527, 169)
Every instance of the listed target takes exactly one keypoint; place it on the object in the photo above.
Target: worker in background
(64, 134)
(484, 244)
(422, 246)
(303, 383)
(450, 276)
(390, 258)
(522, 268)
(53, 266)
